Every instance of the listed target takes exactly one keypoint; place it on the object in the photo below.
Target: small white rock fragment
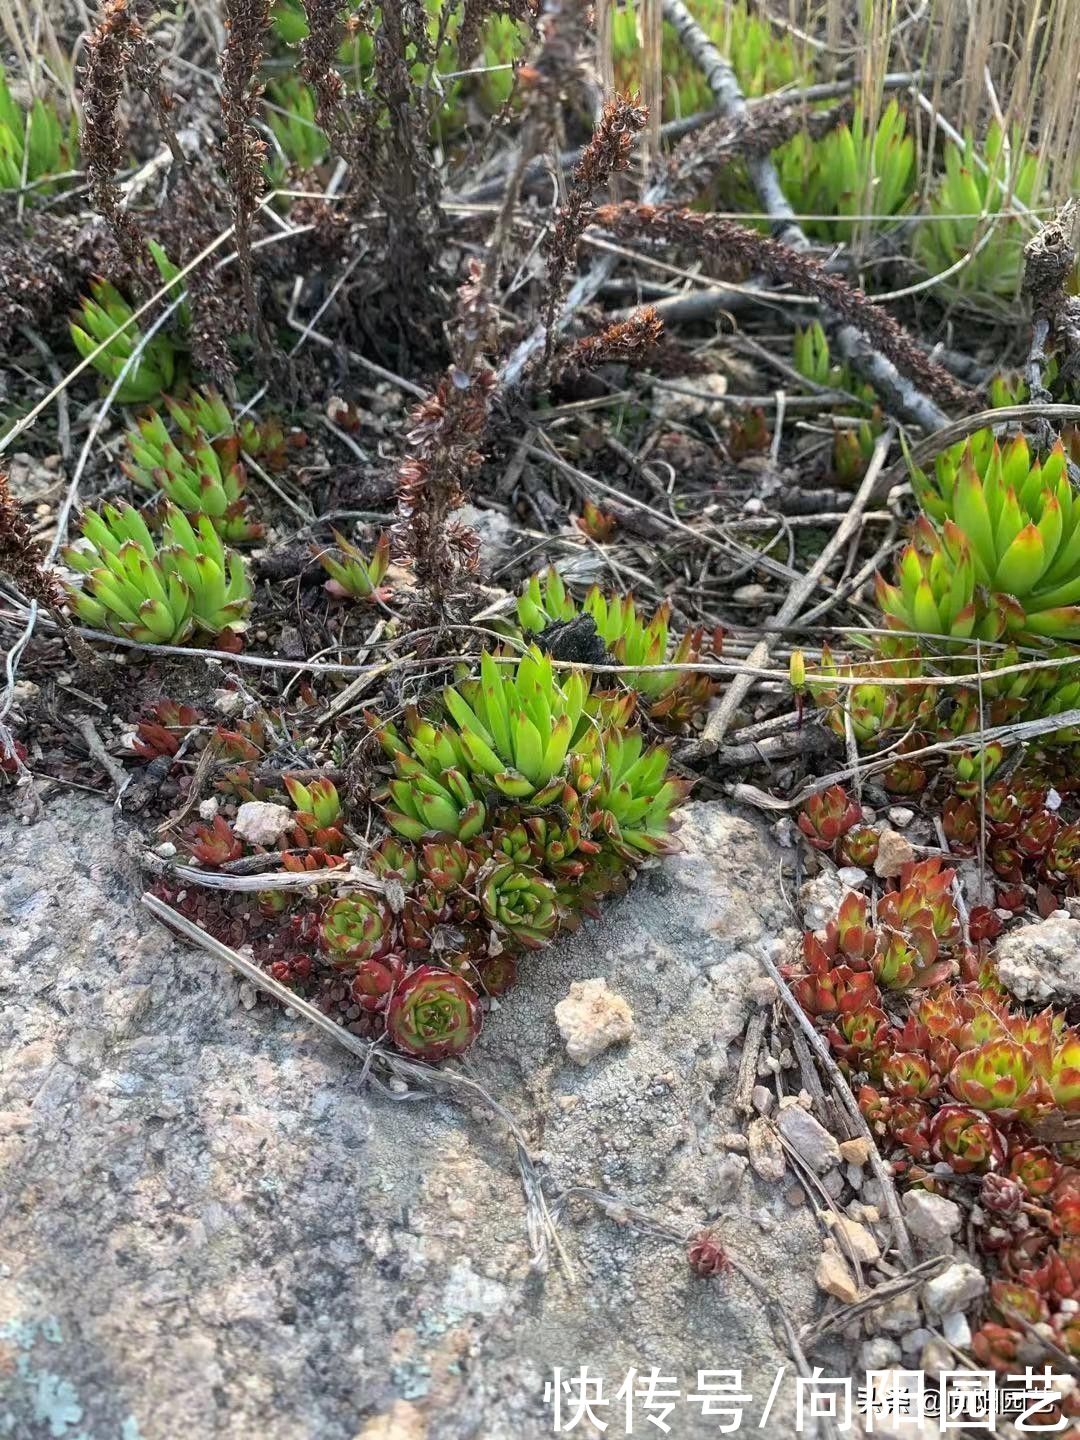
(832, 1182)
(955, 1288)
(956, 1329)
(1041, 962)
(820, 899)
(766, 1152)
(931, 1217)
(228, 702)
(763, 991)
(913, 1342)
(834, 1277)
(936, 1359)
(208, 808)
(809, 1137)
(901, 816)
(725, 1176)
(879, 1353)
(899, 1315)
(894, 852)
(752, 594)
(851, 876)
(592, 1018)
(260, 822)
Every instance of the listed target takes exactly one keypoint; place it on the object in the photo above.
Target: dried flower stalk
(625, 342)
(748, 135)
(21, 557)
(109, 50)
(445, 433)
(730, 244)
(243, 150)
(607, 152)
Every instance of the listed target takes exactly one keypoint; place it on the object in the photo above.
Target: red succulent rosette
(434, 1014)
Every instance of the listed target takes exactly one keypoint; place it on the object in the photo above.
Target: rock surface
(1041, 962)
(211, 1228)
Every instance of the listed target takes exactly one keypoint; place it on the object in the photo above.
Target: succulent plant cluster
(953, 1086)
(995, 551)
(852, 447)
(849, 172)
(499, 41)
(515, 805)
(105, 316)
(205, 413)
(1027, 842)
(764, 58)
(994, 557)
(300, 142)
(198, 476)
(353, 575)
(966, 222)
(35, 144)
(158, 592)
(674, 697)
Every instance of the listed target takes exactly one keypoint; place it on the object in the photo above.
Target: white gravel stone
(879, 1353)
(1041, 962)
(956, 1329)
(913, 1342)
(766, 1152)
(955, 1288)
(260, 822)
(897, 1316)
(591, 1019)
(930, 1217)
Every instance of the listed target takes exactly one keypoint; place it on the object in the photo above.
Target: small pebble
(913, 1342)
(956, 1329)
(855, 1152)
(762, 1098)
(879, 1353)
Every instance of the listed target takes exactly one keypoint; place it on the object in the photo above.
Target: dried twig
(717, 724)
(851, 1105)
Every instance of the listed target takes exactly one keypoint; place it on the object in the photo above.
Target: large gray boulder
(211, 1228)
